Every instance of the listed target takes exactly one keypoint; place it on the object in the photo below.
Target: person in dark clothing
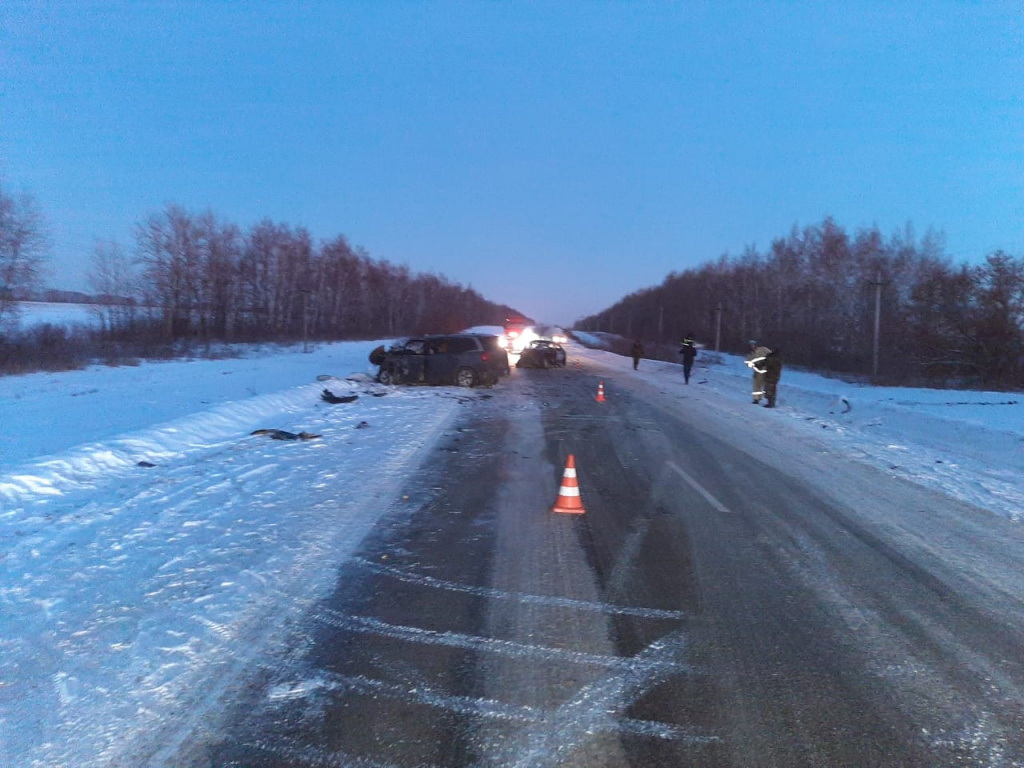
(637, 352)
(772, 374)
(689, 354)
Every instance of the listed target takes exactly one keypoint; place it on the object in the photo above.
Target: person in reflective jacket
(773, 372)
(755, 361)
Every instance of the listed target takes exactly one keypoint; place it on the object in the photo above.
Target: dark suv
(463, 359)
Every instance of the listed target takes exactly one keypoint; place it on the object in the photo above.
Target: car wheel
(386, 377)
(465, 377)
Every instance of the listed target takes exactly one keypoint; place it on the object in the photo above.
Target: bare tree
(220, 249)
(24, 248)
(115, 281)
(167, 246)
(999, 320)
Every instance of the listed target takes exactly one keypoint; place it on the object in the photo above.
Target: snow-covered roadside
(47, 413)
(131, 596)
(968, 445)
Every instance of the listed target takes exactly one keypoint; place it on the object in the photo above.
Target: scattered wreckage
(329, 397)
(280, 434)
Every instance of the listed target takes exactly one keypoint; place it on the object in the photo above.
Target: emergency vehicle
(517, 333)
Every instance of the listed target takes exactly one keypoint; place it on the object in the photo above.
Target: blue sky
(555, 156)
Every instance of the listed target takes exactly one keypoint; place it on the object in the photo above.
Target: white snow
(40, 312)
(131, 597)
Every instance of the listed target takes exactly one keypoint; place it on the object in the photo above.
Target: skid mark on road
(626, 560)
(497, 594)
(628, 554)
(429, 696)
(291, 680)
(509, 648)
(597, 704)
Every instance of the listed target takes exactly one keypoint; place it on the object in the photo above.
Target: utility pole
(661, 323)
(718, 326)
(878, 322)
(305, 320)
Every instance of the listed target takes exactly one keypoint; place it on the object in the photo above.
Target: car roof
(432, 336)
(435, 336)
(451, 335)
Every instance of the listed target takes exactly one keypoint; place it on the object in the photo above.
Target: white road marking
(699, 488)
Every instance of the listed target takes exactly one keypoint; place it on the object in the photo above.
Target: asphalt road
(732, 596)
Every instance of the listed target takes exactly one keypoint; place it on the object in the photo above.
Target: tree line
(820, 293)
(204, 277)
(195, 278)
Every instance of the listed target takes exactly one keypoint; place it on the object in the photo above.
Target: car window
(459, 344)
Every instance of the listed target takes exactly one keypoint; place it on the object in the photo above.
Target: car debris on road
(329, 397)
(280, 434)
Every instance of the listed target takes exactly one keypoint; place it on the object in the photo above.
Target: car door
(463, 352)
(442, 359)
(412, 361)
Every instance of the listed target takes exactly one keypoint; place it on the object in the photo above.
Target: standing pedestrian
(755, 361)
(772, 374)
(637, 352)
(689, 353)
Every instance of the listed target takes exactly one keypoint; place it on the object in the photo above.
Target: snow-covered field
(130, 595)
(39, 312)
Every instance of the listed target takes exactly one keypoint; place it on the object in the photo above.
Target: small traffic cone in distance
(600, 392)
(569, 501)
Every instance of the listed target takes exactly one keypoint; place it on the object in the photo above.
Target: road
(732, 596)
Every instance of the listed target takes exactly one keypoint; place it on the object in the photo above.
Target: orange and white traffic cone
(600, 392)
(569, 500)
